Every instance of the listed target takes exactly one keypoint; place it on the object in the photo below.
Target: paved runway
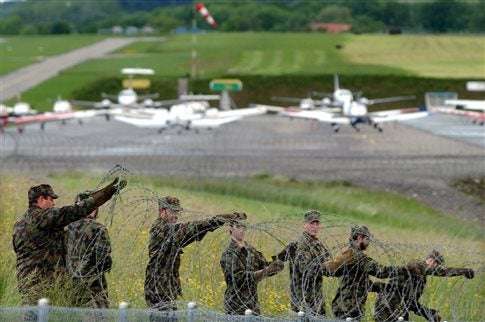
(27, 77)
(403, 159)
(452, 126)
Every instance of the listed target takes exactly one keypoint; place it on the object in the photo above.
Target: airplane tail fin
(336, 82)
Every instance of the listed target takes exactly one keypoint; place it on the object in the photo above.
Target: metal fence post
(301, 316)
(43, 305)
(191, 306)
(248, 315)
(123, 317)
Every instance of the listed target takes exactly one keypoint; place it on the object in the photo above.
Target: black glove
(469, 273)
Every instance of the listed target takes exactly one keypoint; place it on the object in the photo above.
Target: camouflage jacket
(353, 267)
(239, 265)
(88, 249)
(306, 257)
(38, 241)
(162, 281)
(403, 291)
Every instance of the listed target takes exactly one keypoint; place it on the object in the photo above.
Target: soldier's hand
(469, 273)
(233, 216)
(275, 267)
(118, 184)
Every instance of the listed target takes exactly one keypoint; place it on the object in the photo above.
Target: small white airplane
(190, 115)
(22, 114)
(475, 109)
(126, 98)
(352, 111)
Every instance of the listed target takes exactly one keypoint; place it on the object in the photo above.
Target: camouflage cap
(436, 255)
(169, 202)
(360, 230)
(237, 223)
(312, 215)
(41, 190)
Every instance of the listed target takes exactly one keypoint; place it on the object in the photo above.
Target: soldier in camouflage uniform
(167, 240)
(38, 237)
(306, 257)
(243, 267)
(88, 258)
(353, 267)
(401, 295)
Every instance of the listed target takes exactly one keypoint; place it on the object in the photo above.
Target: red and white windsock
(200, 7)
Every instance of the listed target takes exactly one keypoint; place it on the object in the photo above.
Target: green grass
(401, 224)
(423, 55)
(19, 51)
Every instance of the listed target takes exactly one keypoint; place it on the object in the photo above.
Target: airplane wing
(475, 105)
(146, 96)
(210, 123)
(89, 104)
(397, 115)
(242, 112)
(389, 99)
(314, 115)
(143, 122)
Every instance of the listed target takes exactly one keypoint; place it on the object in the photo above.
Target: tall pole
(193, 72)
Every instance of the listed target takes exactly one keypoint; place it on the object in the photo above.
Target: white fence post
(301, 316)
(123, 317)
(43, 305)
(191, 306)
(248, 315)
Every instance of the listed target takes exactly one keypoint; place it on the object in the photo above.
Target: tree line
(365, 16)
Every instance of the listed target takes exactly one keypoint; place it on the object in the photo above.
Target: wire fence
(191, 313)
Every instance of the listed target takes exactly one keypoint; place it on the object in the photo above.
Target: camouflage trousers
(91, 292)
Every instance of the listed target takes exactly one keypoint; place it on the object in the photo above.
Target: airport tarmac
(451, 126)
(402, 158)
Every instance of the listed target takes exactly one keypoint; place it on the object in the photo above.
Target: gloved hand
(233, 216)
(436, 316)
(469, 273)
(270, 270)
(104, 194)
(274, 267)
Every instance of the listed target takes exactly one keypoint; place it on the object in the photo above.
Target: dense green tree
(60, 27)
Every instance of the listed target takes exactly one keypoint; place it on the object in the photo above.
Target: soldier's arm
(288, 252)
(334, 266)
(187, 233)
(442, 271)
(60, 217)
(260, 260)
(381, 271)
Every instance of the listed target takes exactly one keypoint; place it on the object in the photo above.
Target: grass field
(19, 51)
(279, 54)
(404, 229)
(428, 56)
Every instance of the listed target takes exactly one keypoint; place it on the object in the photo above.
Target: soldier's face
(238, 233)
(45, 202)
(431, 263)
(312, 228)
(169, 215)
(362, 242)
